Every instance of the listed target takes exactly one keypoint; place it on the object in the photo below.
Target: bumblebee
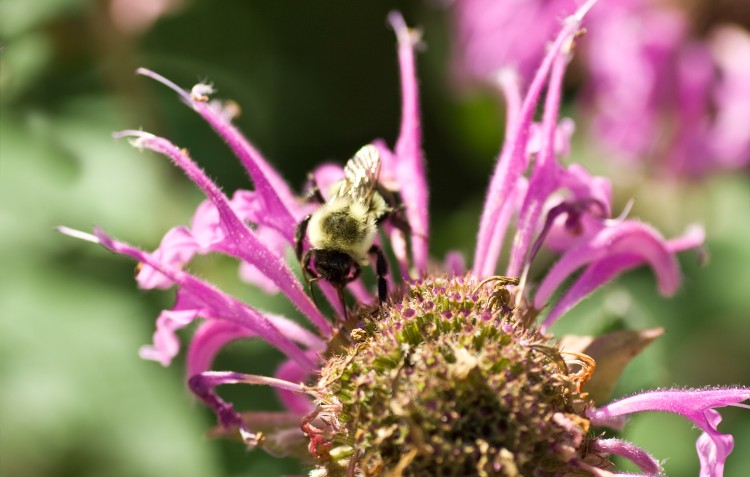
(342, 231)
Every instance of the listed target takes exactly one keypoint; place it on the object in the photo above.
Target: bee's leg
(310, 275)
(299, 238)
(398, 219)
(314, 192)
(381, 269)
(340, 291)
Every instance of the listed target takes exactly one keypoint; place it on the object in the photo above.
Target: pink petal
(409, 165)
(628, 238)
(166, 344)
(294, 401)
(203, 386)
(268, 183)
(239, 240)
(512, 159)
(544, 178)
(177, 248)
(208, 301)
(601, 272)
(210, 337)
(696, 405)
(633, 453)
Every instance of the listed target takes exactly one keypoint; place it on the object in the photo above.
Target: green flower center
(448, 379)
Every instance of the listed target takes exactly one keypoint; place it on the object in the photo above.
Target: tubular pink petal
(277, 197)
(601, 272)
(239, 240)
(696, 405)
(214, 334)
(543, 181)
(512, 158)
(276, 194)
(184, 95)
(203, 385)
(294, 401)
(213, 302)
(595, 276)
(487, 267)
(249, 273)
(410, 169)
(694, 236)
(210, 337)
(510, 85)
(625, 238)
(630, 451)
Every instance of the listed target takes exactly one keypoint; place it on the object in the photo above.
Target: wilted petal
(612, 353)
(697, 405)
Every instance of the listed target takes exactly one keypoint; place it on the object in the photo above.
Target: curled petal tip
(169, 84)
(403, 32)
(136, 138)
(201, 92)
(76, 234)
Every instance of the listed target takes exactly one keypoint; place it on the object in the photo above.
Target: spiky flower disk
(444, 381)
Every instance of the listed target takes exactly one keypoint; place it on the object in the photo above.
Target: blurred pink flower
(655, 93)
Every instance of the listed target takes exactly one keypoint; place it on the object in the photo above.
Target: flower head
(448, 373)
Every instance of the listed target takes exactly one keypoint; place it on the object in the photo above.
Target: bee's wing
(361, 174)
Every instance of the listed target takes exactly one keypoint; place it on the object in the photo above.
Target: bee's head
(334, 266)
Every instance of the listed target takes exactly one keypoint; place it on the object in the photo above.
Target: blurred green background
(315, 80)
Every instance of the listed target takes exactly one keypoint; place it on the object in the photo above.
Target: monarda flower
(656, 93)
(451, 374)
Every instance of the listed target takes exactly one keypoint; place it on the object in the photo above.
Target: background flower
(656, 90)
(81, 401)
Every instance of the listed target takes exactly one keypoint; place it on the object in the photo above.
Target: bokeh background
(315, 81)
